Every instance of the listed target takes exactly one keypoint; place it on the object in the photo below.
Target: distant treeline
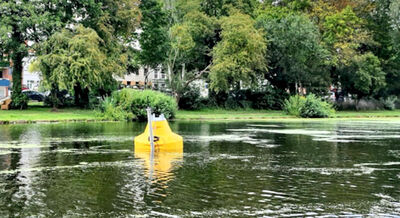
(291, 46)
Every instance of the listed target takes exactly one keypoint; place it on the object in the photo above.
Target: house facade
(137, 80)
(30, 80)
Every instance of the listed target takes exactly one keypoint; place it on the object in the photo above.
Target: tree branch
(197, 76)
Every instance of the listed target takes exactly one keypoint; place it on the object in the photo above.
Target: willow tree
(240, 54)
(23, 21)
(72, 59)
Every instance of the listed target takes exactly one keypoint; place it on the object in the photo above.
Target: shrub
(191, 99)
(110, 111)
(19, 101)
(308, 107)
(262, 99)
(294, 104)
(134, 103)
(389, 103)
(314, 107)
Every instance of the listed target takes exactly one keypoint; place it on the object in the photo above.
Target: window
(128, 83)
(155, 75)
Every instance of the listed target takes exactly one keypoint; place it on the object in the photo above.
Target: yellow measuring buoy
(163, 137)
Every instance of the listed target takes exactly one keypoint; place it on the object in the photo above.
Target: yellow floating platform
(164, 139)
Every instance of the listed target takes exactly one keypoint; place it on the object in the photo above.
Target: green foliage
(19, 101)
(291, 64)
(218, 8)
(240, 53)
(153, 39)
(110, 111)
(365, 78)
(394, 14)
(294, 104)
(343, 34)
(59, 100)
(74, 60)
(191, 99)
(314, 107)
(265, 98)
(125, 102)
(308, 107)
(389, 103)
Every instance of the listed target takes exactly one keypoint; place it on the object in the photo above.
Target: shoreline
(70, 115)
(234, 119)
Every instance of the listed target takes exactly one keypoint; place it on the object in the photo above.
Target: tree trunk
(177, 98)
(17, 96)
(77, 94)
(54, 98)
(81, 96)
(85, 98)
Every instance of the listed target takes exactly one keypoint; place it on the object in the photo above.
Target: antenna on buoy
(151, 136)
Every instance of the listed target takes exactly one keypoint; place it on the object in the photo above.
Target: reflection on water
(159, 168)
(225, 169)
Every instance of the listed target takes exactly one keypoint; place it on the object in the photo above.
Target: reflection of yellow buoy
(164, 139)
(159, 156)
(162, 164)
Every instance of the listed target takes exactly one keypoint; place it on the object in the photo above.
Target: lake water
(334, 168)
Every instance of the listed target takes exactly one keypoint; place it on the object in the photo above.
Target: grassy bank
(37, 113)
(46, 114)
(216, 114)
(206, 114)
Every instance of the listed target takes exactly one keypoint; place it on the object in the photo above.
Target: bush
(314, 107)
(133, 103)
(110, 111)
(389, 103)
(262, 99)
(294, 104)
(191, 99)
(19, 101)
(308, 107)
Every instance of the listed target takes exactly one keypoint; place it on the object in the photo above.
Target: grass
(220, 114)
(37, 112)
(229, 114)
(46, 114)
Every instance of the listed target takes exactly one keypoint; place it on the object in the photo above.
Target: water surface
(227, 169)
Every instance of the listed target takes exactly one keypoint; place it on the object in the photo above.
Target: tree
(24, 20)
(239, 55)
(72, 60)
(35, 21)
(219, 8)
(189, 55)
(392, 48)
(365, 77)
(153, 39)
(343, 34)
(296, 57)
